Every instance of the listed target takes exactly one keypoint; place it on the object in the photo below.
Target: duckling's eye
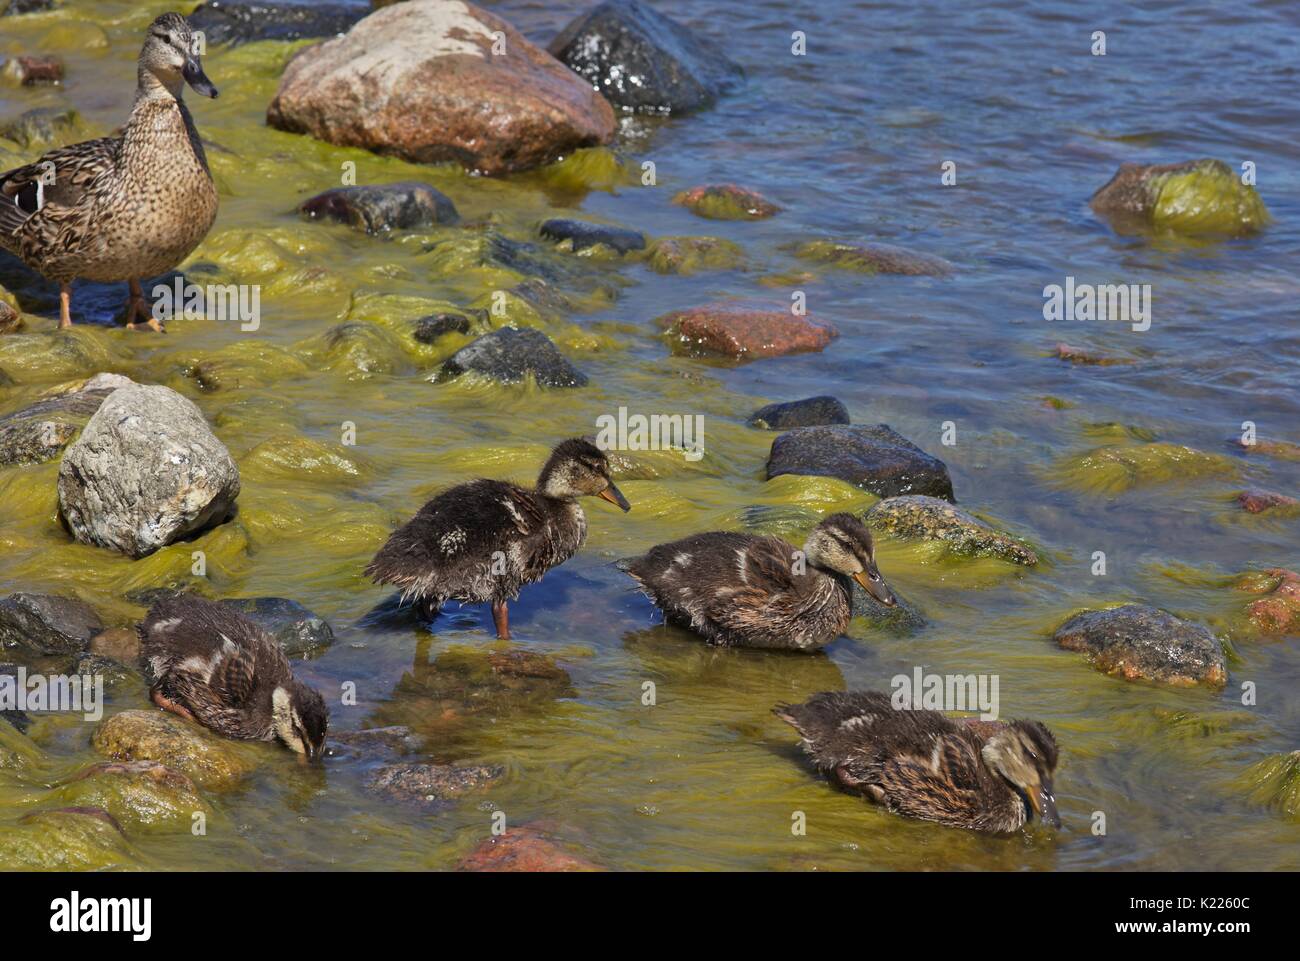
(873, 575)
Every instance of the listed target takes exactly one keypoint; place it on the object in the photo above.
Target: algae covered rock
(873, 258)
(743, 331)
(687, 255)
(873, 457)
(1277, 611)
(137, 793)
(430, 783)
(930, 518)
(809, 412)
(1140, 642)
(428, 329)
(726, 202)
(64, 839)
(175, 743)
(41, 431)
(47, 623)
(146, 471)
(1257, 501)
(1195, 197)
(381, 208)
(524, 848)
(580, 234)
(1116, 468)
(243, 21)
(509, 355)
(42, 125)
(433, 81)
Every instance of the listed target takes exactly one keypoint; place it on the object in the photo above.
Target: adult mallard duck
(750, 591)
(209, 663)
(124, 207)
(982, 775)
(483, 541)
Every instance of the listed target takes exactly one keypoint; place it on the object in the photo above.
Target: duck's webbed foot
(167, 704)
(138, 307)
(501, 618)
(428, 608)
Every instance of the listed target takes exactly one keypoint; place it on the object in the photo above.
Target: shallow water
(849, 140)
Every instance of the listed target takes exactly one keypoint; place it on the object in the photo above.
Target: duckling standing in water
(483, 541)
(983, 775)
(749, 591)
(125, 207)
(211, 664)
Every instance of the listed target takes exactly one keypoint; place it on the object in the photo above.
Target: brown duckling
(211, 664)
(983, 775)
(483, 541)
(750, 591)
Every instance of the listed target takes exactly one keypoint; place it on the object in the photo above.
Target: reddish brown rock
(1256, 501)
(1281, 449)
(421, 80)
(726, 202)
(744, 331)
(1278, 611)
(34, 71)
(1082, 355)
(523, 848)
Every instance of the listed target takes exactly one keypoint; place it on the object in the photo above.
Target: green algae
(690, 255)
(1209, 198)
(58, 840)
(143, 795)
(1118, 468)
(1275, 783)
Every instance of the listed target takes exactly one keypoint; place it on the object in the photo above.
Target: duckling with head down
(983, 775)
(483, 541)
(752, 591)
(211, 664)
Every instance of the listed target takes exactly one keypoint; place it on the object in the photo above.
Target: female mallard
(484, 540)
(982, 775)
(121, 207)
(211, 664)
(748, 591)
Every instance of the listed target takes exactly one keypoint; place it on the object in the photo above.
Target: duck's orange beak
(615, 497)
(876, 587)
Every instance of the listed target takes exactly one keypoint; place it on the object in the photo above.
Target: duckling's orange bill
(876, 588)
(1045, 805)
(615, 496)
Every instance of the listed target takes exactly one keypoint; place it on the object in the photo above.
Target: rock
(1278, 611)
(396, 739)
(644, 62)
(1082, 355)
(41, 125)
(874, 258)
(1256, 501)
(110, 671)
(902, 619)
(429, 329)
(810, 412)
(41, 431)
(1114, 468)
(138, 793)
(524, 848)
(242, 21)
(10, 323)
(744, 331)
(427, 783)
(145, 472)
(15, 716)
(9, 8)
(875, 458)
(177, 744)
(726, 202)
(509, 354)
(1140, 642)
(1194, 197)
(47, 623)
(582, 235)
(1281, 449)
(419, 80)
(380, 208)
(33, 71)
(930, 518)
(65, 839)
(296, 628)
(687, 255)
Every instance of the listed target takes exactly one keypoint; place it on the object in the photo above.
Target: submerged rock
(65, 839)
(420, 80)
(428, 783)
(810, 412)
(243, 21)
(1195, 197)
(10, 323)
(296, 628)
(9, 8)
(582, 235)
(41, 125)
(428, 329)
(394, 740)
(726, 202)
(1140, 642)
(33, 71)
(1278, 611)
(172, 742)
(643, 61)
(873, 258)
(146, 471)
(47, 623)
(525, 848)
(930, 518)
(121, 644)
(875, 458)
(1115, 468)
(1256, 501)
(686, 255)
(1087, 356)
(508, 355)
(41, 431)
(1281, 449)
(744, 331)
(15, 716)
(380, 208)
(137, 793)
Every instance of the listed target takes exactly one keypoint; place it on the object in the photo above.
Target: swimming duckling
(211, 664)
(484, 540)
(982, 775)
(750, 591)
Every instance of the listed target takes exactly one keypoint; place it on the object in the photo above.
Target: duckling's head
(842, 543)
(1024, 752)
(578, 468)
(300, 718)
(170, 57)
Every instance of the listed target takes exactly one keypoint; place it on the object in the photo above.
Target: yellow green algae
(1210, 198)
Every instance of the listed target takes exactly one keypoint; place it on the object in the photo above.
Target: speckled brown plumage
(984, 775)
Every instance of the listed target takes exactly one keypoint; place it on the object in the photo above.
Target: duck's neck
(149, 86)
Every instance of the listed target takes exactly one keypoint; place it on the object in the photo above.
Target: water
(849, 140)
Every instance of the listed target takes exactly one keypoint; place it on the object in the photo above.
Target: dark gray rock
(509, 354)
(47, 623)
(296, 628)
(810, 412)
(930, 518)
(643, 61)
(1140, 642)
(242, 21)
(9, 8)
(41, 431)
(112, 672)
(429, 329)
(380, 208)
(875, 458)
(584, 235)
(430, 783)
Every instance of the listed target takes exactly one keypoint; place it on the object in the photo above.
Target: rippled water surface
(849, 140)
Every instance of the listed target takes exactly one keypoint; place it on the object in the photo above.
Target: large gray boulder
(146, 471)
(40, 432)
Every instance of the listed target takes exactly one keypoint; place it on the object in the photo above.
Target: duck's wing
(837, 725)
(55, 184)
(942, 780)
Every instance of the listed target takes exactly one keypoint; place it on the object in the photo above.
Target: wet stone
(157, 736)
(810, 412)
(1193, 197)
(583, 235)
(428, 329)
(430, 783)
(41, 431)
(1256, 501)
(875, 458)
(874, 258)
(41, 125)
(726, 202)
(380, 208)
(1277, 611)
(509, 355)
(18, 718)
(392, 741)
(1139, 642)
(137, 793)
(47, 623)
(33, 71)
(243, 21)
(930, 518)
(296, 628)
(524, 848)
(743, 332)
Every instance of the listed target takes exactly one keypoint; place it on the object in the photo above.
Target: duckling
(484, 540)
(122, 207)
(750, 591)
(983, 775)
(211, 664)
